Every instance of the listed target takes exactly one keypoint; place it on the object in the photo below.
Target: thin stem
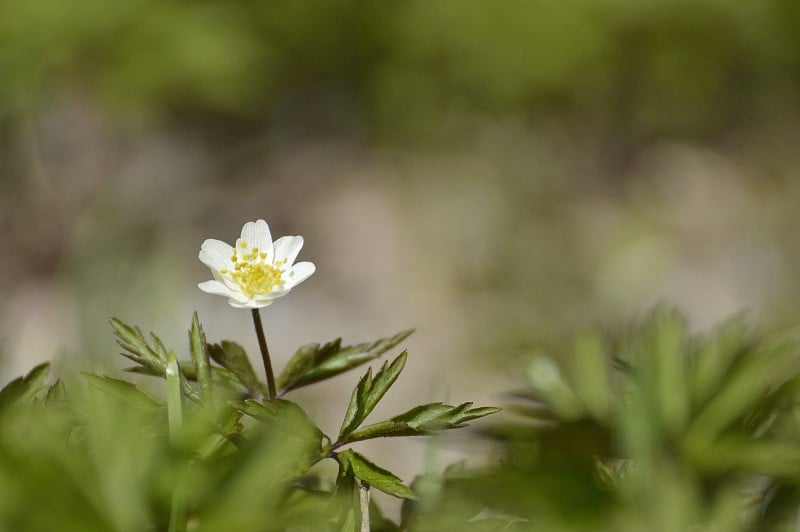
(262, 343)
(363, 503)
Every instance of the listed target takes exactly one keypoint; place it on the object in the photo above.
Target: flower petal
(251, 303)
(217, 288)
(271, 296)
(287, 247)
(297, 274)
(257, 235)
(215, 254)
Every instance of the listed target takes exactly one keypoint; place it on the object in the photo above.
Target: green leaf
(187, 370)
(137, 349)
(122, 390)
(369, 392)
(56, 392)
(219, 376)
(312, 363)
(159, 348)
(283, 415)
(199, 349)
(374, 475)
(592, 375)
(23, 389)
(742, 389)
(228, 433)
(717, 356)
(233, 357)
(288, 422)
(422, 420)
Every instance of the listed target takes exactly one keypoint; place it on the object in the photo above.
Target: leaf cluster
(213, 450)
(650, 425)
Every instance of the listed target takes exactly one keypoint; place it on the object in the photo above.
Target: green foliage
(422, 420)
(215, 454)
(655, 429)
(373, 475)
(199, 350)
(122, 391)
(368, 392)
(233, 357)
(313, 363)
(23, 389)
(676, 61)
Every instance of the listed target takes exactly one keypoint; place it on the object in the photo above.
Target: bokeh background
(496, 174)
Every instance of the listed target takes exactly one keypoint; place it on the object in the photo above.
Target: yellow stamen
(253, 274)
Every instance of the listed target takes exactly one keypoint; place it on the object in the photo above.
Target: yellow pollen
(243, 245)
(254, 276)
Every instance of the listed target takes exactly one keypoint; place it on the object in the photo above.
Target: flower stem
(262, 343)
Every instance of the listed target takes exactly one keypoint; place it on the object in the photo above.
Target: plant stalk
(262, 344)
(363, 503)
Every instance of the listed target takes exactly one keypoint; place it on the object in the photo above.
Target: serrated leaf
(159, 348)
(356, 404)
(313, 363)
(233, 357)
(375, 475)
(25, 388)
(132, 340)
(303, 360)
(422, 420)
(152, 360)
(56, 392)
(369, 392)
(122, 390)
(283, 415)
(199, 350)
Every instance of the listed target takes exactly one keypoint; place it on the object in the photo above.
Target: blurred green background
(497, 174)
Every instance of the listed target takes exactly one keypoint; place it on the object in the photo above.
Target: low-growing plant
(652, 429)
(221, 449)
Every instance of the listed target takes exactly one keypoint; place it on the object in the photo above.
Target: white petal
(257, 235)
(249, 303)
(297, 274)
(287, 247)
(271, 296)
(217, 288)
(215, 254)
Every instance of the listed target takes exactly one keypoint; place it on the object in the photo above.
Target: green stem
(363, 503)
(262, 343)
(175, 408)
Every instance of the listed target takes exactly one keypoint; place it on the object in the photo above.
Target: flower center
(252, 272)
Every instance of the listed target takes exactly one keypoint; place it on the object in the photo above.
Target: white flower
(257, 271)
